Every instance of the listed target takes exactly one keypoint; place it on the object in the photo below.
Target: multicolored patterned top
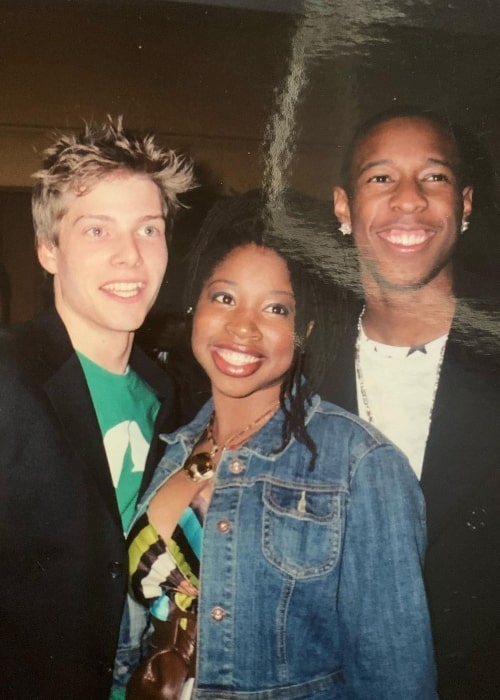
(163, 575)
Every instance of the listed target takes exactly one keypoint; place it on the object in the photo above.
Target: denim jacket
(311, 583)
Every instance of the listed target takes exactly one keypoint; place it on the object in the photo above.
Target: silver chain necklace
(361, 383)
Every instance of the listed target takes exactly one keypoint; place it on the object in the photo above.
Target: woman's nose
(242, 323)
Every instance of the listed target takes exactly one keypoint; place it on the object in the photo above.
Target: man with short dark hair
(421, 363)
(80, 411)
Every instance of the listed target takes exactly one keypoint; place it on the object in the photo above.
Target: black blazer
(461, 484)
(63, 561)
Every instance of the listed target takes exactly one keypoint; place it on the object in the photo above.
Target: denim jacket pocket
(301, 529)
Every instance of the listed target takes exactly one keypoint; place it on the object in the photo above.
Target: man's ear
(467, 194)
(47, 256)
(341, 205)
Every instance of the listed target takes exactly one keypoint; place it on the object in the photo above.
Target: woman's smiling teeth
(124, 289)
(236, 358)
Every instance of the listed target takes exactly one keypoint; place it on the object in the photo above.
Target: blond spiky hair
(76, 162)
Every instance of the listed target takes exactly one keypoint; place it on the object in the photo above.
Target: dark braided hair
(244, 220)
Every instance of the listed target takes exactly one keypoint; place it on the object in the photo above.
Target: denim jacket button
(223, 526)
(218, 613)
(236, 467)
(115, 569)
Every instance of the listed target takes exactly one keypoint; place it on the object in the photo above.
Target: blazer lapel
(339, 383)
(62, 378)
(463, 445)
(70, 396)
(166, 420)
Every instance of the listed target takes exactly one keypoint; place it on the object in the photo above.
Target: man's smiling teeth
(124, 289)
(233, 357)
(407, 238)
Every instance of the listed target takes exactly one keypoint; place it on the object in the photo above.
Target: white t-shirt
(399, 390)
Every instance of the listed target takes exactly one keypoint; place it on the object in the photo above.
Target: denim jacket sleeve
(382, 602)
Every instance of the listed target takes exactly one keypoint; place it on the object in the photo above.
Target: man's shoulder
(15, 346)
(10, 362)
(473, 340)
(35, 348)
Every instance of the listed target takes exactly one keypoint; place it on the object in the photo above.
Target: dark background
(209, 77)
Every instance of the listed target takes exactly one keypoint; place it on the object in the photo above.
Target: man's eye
(149, 231)
(95, 232)
(437, 177)
(379, 178)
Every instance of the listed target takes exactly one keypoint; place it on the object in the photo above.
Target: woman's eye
(279, 309)
(222, 298)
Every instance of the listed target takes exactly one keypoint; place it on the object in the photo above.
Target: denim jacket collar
(265, 443)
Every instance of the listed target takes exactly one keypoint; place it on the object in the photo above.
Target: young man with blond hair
(80, 410)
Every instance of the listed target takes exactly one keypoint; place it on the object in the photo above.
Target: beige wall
(202, 78)
(206, 79)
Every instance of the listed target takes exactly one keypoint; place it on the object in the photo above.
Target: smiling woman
(244, 325)
(279, 546)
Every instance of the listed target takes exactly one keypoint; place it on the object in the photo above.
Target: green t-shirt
(126, 410)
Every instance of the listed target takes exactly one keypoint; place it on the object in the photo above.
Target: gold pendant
(199, 467)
